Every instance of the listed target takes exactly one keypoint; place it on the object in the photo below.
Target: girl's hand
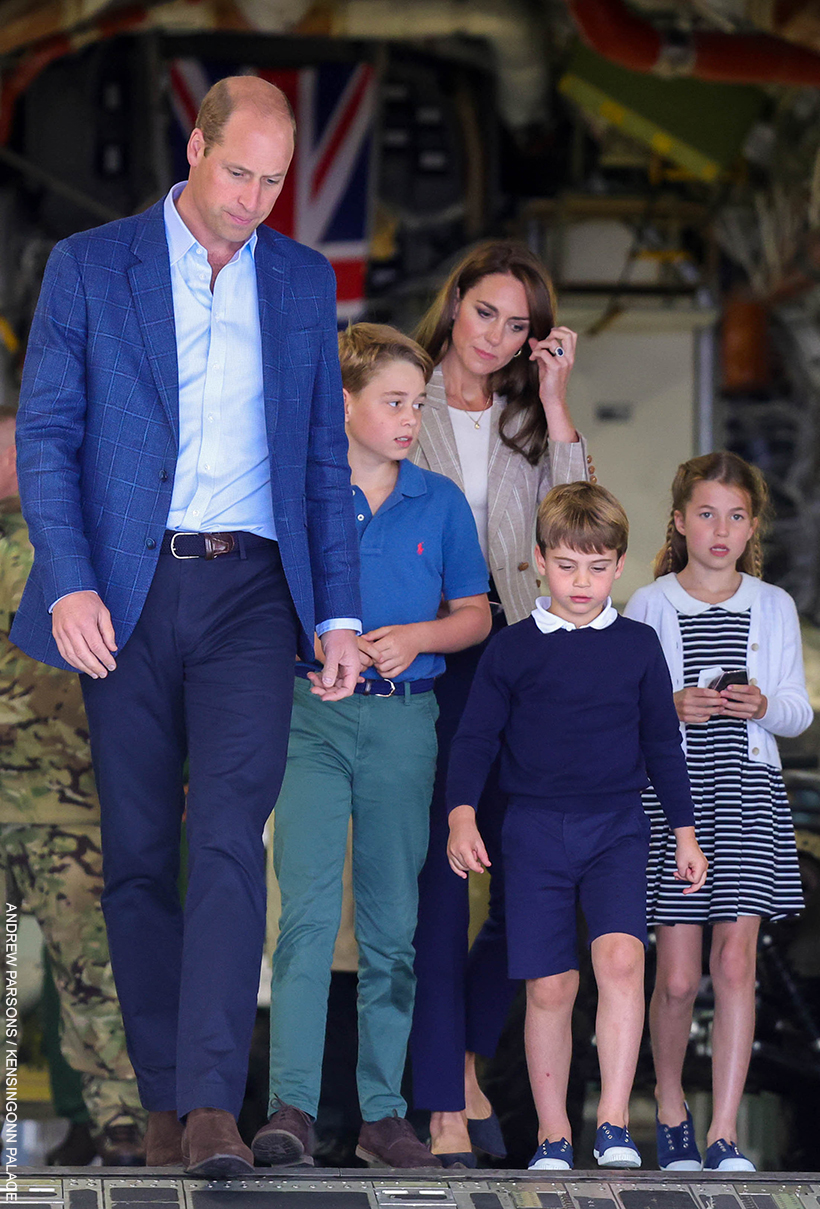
(697, 704)
(465, 847)
(689, 859)
(743, 701)
(394, 648)
(554, 367)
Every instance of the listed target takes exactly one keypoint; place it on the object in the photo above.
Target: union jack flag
(325, 199)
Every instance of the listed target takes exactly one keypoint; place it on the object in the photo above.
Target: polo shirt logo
(420, 548)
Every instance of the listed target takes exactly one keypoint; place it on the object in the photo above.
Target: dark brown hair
(583, 516)
(366, 347)
(523, 425)
(732, 471)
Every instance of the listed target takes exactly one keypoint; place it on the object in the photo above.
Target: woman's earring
(518, 354)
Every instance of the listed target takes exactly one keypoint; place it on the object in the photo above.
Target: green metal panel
(699, 125)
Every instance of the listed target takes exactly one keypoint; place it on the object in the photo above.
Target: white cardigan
(774, 654)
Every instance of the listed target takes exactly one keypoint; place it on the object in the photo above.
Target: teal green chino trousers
(371, 759)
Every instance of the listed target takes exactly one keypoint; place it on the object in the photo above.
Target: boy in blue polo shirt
(370, 757)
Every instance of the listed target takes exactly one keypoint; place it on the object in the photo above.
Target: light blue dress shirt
(222, 480)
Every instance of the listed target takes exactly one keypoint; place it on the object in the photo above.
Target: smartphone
(739, 676)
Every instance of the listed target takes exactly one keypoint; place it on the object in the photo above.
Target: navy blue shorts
(552, 859)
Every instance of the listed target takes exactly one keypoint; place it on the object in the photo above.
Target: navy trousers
(207, 675)
(462, 998)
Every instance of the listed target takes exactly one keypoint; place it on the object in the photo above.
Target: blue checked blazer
(98, 427)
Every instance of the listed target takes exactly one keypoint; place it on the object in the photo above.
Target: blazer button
(755, 646)
(755, 751)
(163, 476)
(150, 544)
(523, 566)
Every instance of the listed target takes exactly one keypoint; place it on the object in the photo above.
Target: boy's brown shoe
(286, 1139)
(163, 1139)
(392, 1142)
(211, 1146)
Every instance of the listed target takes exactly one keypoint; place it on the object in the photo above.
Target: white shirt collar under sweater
(742, 600)
(548, 622)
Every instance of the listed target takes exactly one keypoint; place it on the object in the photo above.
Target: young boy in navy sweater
(579, 701)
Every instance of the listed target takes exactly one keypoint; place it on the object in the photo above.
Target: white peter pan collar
(677, 596)
(548, 623)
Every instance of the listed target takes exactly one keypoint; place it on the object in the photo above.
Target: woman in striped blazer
(496, 422)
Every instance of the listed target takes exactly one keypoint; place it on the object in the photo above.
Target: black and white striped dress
(742, 816)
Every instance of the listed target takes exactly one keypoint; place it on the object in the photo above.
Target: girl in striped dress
(713, 612)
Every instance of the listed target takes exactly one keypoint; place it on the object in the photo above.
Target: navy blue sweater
(584, 719)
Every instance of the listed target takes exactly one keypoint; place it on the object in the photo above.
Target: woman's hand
(743, 701)
(697, 704)
(555, 358)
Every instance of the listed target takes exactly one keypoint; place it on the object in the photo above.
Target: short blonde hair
(365, 347)
(583, 516)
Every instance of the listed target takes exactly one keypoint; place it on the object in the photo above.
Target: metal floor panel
(328, 1188)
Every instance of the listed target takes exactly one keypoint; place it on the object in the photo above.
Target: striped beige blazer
(515, 490)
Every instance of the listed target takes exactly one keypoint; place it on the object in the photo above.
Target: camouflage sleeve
(45, 759)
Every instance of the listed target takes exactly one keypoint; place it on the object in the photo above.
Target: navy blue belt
(211, 545)
(380, 688)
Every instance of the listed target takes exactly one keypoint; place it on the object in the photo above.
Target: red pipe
(616, 32)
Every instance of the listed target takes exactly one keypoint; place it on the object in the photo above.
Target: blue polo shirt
(420, 545)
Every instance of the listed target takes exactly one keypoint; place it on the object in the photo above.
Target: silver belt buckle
(387, 680)
(183, 557)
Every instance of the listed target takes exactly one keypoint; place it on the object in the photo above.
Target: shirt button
(753, 681)
(195, 512)
(206, 467)
(523, 566)
(755, 751)
(755, 646)
(150, 544)
(163, 476)
(210, 419)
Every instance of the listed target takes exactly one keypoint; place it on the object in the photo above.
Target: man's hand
(82, 629)
(465, 847)
(396, 646)
(690, 861)
(340, 674)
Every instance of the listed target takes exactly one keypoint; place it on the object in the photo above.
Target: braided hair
(731, 471)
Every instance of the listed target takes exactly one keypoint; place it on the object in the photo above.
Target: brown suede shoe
(163, 1139)
(212, 1147)
(286, 1139)
(391, 1142)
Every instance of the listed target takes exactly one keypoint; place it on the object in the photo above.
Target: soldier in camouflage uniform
(50, 846)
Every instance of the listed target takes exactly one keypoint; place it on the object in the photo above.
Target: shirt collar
(180, 239)
(677, 596)
(548, 622)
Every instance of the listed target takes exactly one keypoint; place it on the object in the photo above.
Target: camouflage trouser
(57, 874)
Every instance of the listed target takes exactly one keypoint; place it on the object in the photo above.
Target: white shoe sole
(550, 1165)
(733, 1165)
(683, 1165)
(617, 1156)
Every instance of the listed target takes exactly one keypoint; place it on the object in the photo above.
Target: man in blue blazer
(183, 471)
